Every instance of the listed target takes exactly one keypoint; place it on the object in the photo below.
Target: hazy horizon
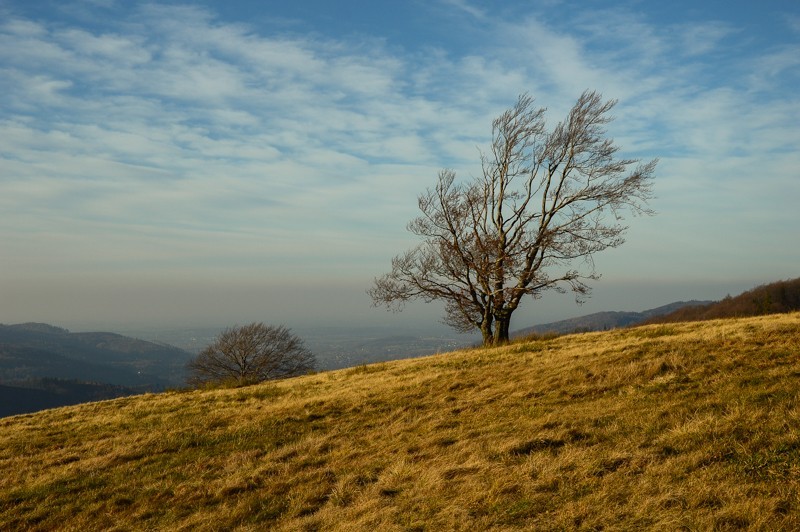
(359, 314)
(168, 164)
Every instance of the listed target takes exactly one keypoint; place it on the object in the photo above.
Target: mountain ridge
(137, 363)
(40, 394)
(36, 357)
(604, 320)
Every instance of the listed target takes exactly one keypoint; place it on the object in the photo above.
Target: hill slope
(691, 425)
(772, 298)
(37, 350)
(602, 321)
(40, 394)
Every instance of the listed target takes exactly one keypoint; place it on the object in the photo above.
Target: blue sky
(210, 163)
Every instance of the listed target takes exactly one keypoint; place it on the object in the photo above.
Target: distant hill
(602, 321)
(773, 298)
(42, 366)
(40, 394)
(39, 350)
(19, 363)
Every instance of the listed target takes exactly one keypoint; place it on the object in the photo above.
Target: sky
(211, 163)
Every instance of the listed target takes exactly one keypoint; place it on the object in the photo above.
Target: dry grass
(691, 426)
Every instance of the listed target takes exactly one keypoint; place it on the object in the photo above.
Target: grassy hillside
(680, 426)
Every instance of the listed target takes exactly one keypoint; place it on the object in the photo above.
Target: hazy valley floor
(684, 426)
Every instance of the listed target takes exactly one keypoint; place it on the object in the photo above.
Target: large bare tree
(250, 354)
(545, 201)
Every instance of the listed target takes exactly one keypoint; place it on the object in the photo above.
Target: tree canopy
(250, 354)
(544, 204)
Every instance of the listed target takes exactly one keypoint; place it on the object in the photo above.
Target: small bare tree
(250, 354)
(545, 200)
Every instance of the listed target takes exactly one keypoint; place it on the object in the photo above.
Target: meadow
(680, 426)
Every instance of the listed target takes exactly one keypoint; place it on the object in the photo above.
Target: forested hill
(36, 350)
(602, 321)
(773, 298)
(42, 366)
(40, 394)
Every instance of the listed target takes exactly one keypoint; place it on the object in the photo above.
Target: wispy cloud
(698, 39)
(466, 7)
(168, 132)
(793, 21)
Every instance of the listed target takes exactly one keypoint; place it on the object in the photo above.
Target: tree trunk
(486, 331)
(501, 330)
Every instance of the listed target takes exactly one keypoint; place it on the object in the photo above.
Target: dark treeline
(773, 298)
(33, 395)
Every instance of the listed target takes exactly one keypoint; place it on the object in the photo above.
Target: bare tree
(250, 354)
(545, 200)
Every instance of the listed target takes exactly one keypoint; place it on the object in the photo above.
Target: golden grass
(692, 426)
